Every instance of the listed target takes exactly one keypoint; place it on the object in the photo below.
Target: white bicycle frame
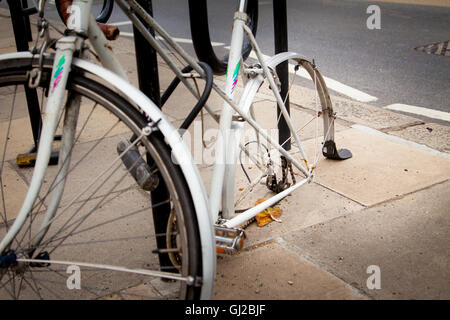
(227, 144)
(228, 140)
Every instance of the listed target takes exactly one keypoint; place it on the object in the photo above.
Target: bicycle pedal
(24, 160)
(229, 240)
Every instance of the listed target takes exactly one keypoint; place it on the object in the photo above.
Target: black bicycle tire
(106, 12)
(104, 15)
(198, 17)
(77, 82)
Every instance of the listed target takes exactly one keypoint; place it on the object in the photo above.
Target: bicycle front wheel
(124, 224)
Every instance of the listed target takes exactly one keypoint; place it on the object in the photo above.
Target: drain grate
(439, 48)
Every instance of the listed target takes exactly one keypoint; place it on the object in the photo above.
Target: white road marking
(127, 34)
(331, 84)
(122, 23)
(429, 113)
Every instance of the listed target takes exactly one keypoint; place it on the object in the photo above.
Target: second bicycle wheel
(101, 9)
(108, 226)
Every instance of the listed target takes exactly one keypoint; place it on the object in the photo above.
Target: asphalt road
(379, 62)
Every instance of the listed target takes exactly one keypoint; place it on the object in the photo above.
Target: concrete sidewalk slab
(9, 96)
(380, 169)
(20, 138)
(407, 238)
(309, 205)
(180, 104)
(273, 272)
(14, 189)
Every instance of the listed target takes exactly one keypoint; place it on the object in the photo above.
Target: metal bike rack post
(146, 61)
(201, 40)
(281, 45)
(22, 33)
(27, 12)
(147, 69)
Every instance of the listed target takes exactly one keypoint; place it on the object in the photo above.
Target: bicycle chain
(283, 184)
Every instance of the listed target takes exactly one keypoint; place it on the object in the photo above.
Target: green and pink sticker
(58, 72)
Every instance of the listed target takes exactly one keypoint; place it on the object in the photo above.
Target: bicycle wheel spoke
(87, 188)
(115, 220)
(310, 123)
(35, 288)
(110, 240)
(53, 185)
(82, 219)
(36, 285)
(97, 205)
(42, 285)
(64, 281)
(4, 214)
(4, 286)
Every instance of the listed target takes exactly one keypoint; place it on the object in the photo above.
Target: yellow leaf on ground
(268, 215)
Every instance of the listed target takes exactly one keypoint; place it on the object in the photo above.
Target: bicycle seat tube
(224, 159)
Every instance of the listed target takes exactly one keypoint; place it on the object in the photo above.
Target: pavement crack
(401, 196)
(259, 245)
(402, 127)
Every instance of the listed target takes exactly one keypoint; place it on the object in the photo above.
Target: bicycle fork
(66, 47)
